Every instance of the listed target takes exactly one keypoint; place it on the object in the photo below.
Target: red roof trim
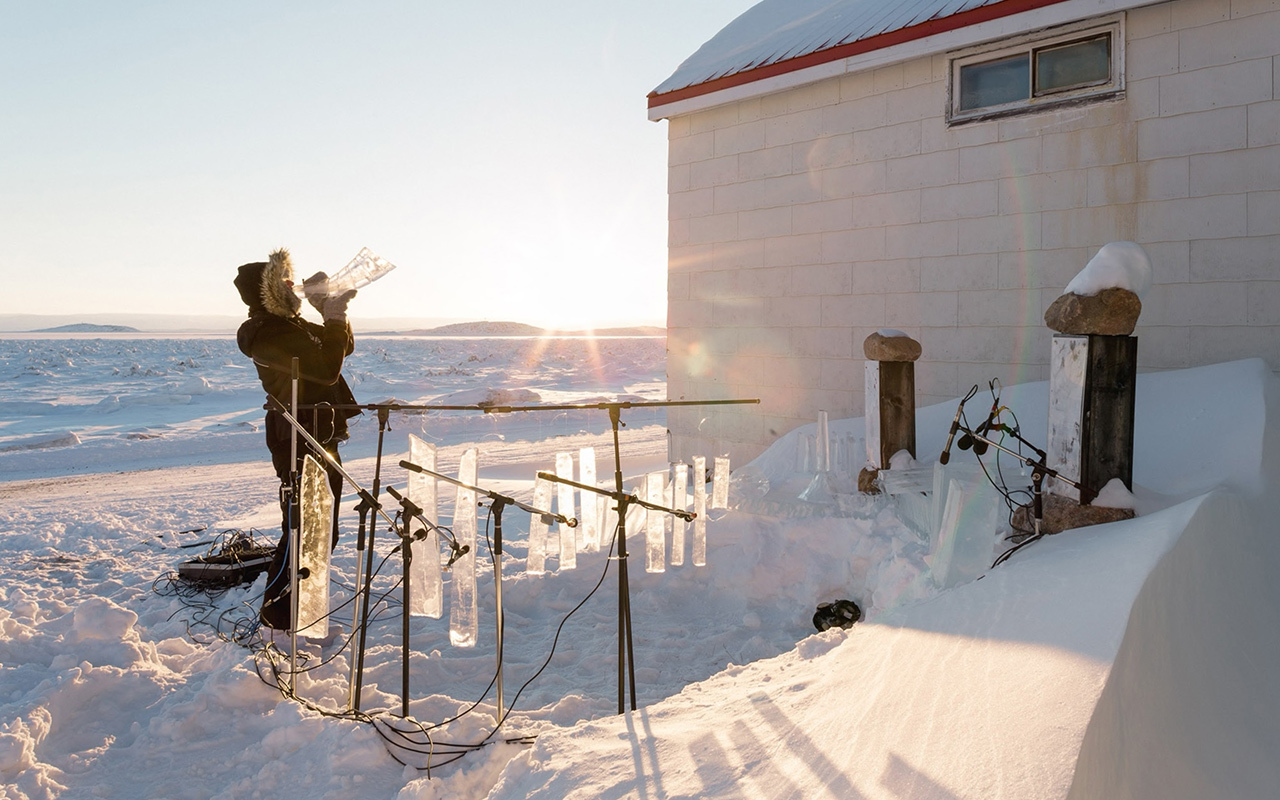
(879, 42)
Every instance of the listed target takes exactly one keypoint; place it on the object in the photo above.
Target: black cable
(999, 482)
(199, 597)
(1019, 535)
(1035, 537)
(426, 729)
(1002, 485)
(247, 631)
(492, 681)
(603, 574)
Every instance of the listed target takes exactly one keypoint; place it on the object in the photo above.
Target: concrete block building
(945, 167)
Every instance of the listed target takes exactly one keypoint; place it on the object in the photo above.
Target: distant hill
(483, 328)
(174, 323)
(187, 323)
(501, 328)
(87, 327)
(636, 330)
(124, 322)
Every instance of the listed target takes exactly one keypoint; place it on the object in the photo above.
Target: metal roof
(780, 35)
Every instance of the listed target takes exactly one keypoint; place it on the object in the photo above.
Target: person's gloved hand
(335, 308)
(316, 290)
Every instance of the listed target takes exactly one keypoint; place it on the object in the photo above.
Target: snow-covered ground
(1133, 659)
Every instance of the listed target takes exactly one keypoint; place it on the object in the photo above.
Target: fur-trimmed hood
(263, 288)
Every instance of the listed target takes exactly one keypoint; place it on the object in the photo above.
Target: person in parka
(273, 335)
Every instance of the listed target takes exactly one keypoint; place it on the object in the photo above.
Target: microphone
(955, 426)
(980, 447)
(458, 552)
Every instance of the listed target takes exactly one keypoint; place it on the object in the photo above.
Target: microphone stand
(498, 502)
(367, 499)
(295, 527)
(364, 577)
(623, 499)
(626, 661)
(358, 614)
(364, 558)
(412, 511)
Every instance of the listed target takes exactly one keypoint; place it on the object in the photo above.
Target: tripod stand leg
(295, 535)
(626, 655)
(357, 616)
(406, 554)
(626, 652)
(497, 597)
(626, 622)
(383, 417)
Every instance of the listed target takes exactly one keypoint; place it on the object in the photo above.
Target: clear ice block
(463, 618)
(539, 530)
(822, 453)
(655, 527)
(359, 272)
(679, 501)
(607, 511)
(589, 518)
(426, 582)
(720, 483)
(968, 535)
(564, 506)
(700, 511)
(821, 487)
(313, 552)
(804, 454)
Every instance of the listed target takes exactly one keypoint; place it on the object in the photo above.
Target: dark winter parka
(275, 334)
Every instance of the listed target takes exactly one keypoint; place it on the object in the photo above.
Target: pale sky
(497, 152)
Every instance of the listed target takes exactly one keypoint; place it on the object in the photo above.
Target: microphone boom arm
(1038, 466)
(496, 497)
(687, 516)
(417, 513)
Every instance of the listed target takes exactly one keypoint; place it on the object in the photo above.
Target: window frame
(1029, 45)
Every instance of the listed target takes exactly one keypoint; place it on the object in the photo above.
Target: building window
(1055, 68)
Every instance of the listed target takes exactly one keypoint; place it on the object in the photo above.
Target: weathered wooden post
(890, 401)
(1091, 410)
(1092, 383)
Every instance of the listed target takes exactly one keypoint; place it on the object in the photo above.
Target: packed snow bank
(40, 441)
(984, 692)
(997, 688)
(1192, 708)
(109, 685)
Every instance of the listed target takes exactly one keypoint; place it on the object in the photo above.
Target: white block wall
(802, 221)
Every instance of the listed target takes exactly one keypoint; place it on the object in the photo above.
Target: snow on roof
(776, 36)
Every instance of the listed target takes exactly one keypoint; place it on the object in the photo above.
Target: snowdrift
(1124, 660)
(1191, 708)
(1128, 660)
